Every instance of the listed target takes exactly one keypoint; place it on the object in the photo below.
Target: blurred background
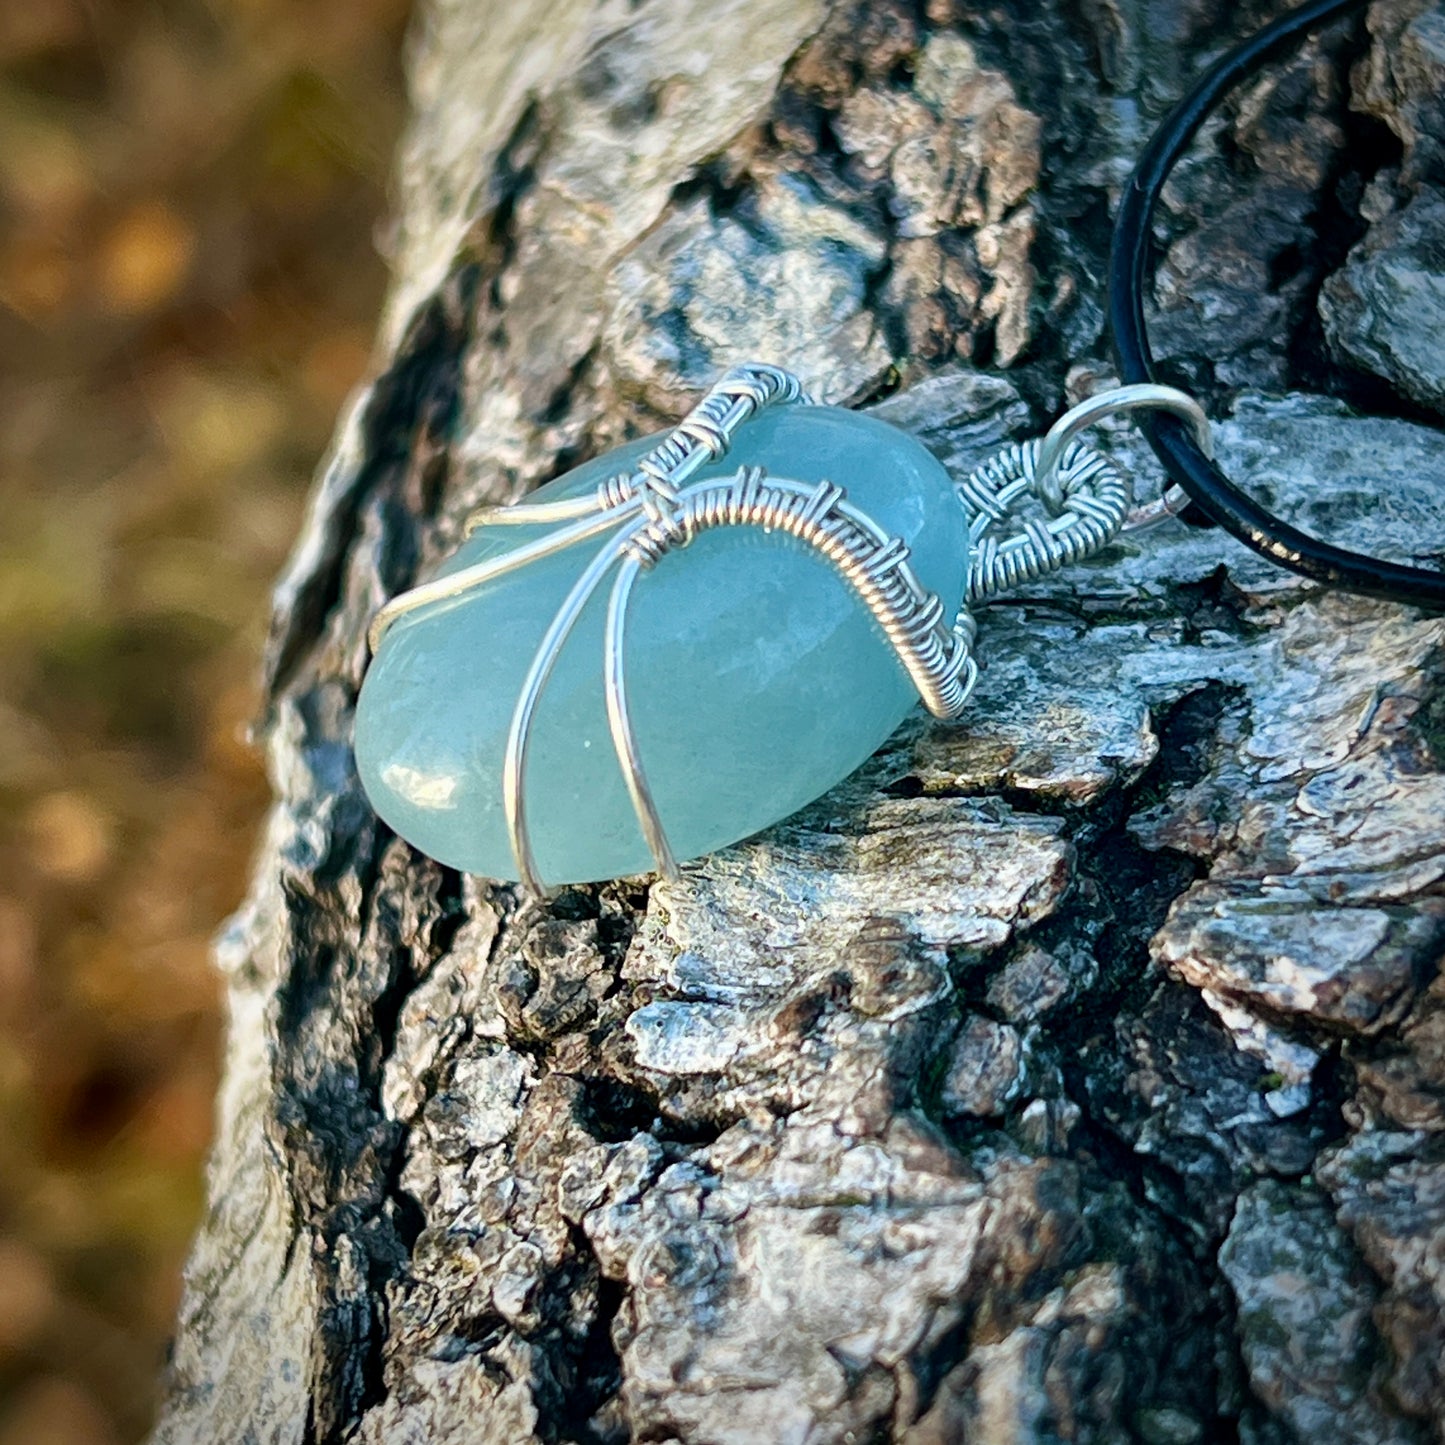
(190, 200)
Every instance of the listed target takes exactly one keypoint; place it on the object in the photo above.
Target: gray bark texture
(1074, 1072)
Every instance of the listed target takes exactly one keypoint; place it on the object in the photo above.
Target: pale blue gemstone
(757, 678)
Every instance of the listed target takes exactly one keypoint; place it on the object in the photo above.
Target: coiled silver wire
(706, 432)
(1094, 507)
(702, 436)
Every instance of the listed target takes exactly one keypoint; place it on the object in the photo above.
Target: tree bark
(1073, 1072)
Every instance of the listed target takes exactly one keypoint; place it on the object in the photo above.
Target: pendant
(741, 575)
(690, 638)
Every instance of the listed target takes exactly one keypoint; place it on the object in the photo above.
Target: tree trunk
(1073, 1072)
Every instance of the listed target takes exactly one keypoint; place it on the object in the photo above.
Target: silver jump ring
(1048, 485)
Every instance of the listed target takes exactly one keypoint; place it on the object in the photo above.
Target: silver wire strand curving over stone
(702, 436)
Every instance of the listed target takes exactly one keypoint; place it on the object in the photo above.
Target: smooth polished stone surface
(757, 678)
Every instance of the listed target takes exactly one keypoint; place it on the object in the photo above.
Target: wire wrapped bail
(1095, 505)
(1080, 501)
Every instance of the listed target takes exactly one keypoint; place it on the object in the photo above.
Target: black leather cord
(1130, 272)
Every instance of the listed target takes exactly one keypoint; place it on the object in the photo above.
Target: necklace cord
(1173, 443)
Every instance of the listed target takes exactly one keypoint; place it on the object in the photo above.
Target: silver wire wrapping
(656, 509)
(1094, 507)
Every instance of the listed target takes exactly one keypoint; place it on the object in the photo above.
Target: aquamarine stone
(757, 678)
